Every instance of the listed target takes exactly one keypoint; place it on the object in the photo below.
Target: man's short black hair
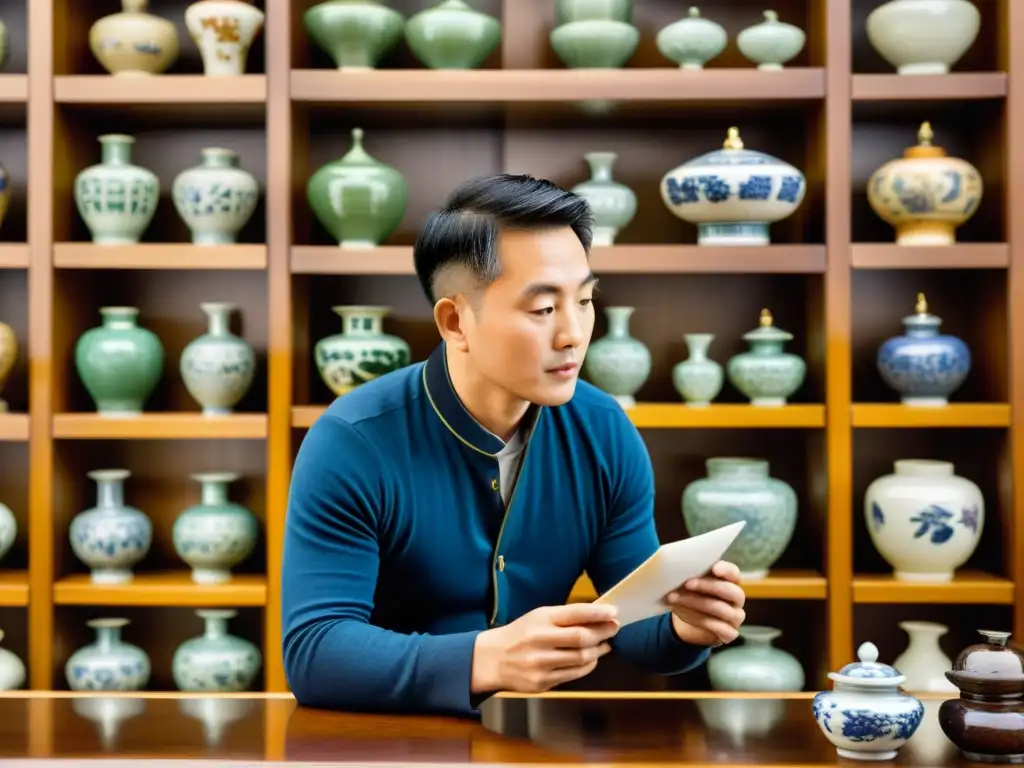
(465, 231)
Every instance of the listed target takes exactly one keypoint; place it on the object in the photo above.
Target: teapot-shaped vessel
(985, 723)
(866, 715)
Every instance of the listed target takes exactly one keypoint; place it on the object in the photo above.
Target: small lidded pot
(866, 715)
(987, 722)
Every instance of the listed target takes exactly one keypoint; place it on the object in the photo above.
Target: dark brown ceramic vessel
(987, 722)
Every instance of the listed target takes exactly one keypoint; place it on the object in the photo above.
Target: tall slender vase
(108, 663)
(111, 537)
(698, 379)
(618, 363)
(216, 534)
(923, 662)
(612, 203)
(115, 198)
(218, 367)
(216, 660)
(361, 352)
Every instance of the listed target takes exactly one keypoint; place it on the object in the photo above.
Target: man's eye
(544, 311)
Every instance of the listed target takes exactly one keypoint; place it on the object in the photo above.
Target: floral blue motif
(924, 366)
(863, 725)
(933, 519)
(877, 515)
(790, 189)
(969, 518)
(756, 188)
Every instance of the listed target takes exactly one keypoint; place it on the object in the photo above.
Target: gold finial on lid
(922, 305)
(925, 134)
(766, 318)
(733, 140)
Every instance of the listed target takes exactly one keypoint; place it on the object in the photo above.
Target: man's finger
(582, 613)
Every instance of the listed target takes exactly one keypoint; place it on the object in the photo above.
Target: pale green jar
(452, 35)
(216, 198)
(216, 660)
(756, 665)
(356, 34)
(361, 352)
(612, 203)
(698, 379)
(767, 374)
(218, 367)
(119, 363)
(595, 43)
(618, 363)
(216, 534)
(741, 489)
(359, 200)
(115, 198)
(589, 10)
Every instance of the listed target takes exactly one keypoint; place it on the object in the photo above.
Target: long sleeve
(333, 657)
(629, 537)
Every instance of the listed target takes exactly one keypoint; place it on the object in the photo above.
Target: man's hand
(544, 648)
(709, 610)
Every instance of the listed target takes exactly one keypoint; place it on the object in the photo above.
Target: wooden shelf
(954, 86)
(779, 585)
(14, 590)
(164, 89)
(677, 416)
(162, 589)
(14, 427)
(160, 426)
(966, 587)
(14, 256)
(959, 256)
(662, 84)
(887, 415)
(13, 89)
(158, 256)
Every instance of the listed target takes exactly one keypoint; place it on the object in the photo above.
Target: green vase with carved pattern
(115, 198)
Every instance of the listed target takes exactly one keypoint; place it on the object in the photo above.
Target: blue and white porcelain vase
(733, 194)
(925, 195)
(216, 198)
(693, 41)
(757, 665)
(923, 519)
(866, 715)
(216, 534)
(924, 366)
(698, 378)
(361, 352)
(112, 537)
(108, 663)
(8, 530)
(765, 373)
(618, 363)
(738, 489)
(612, 203)
(216, 660)
(218, 367)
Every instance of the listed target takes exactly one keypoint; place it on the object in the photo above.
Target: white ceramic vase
(923, 662)
(223, 30)
(8, 530)
(12, 669)
(216, 198)
(923, 519)
(923, 37)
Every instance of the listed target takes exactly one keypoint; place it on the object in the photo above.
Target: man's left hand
(708, 610)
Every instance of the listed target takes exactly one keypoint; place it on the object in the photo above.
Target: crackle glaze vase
(216, 198)
(218, 367)
(617, 362)
(216, 534)
(741, 489)
(361, 352)
(925, 520)
(111, 537)
(216, 660)
(223, 30)
(115, 198)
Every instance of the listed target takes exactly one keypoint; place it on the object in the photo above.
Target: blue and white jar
(924, 366)
(112, 537)
(733, 194)
(216, 660)
(218, 367)
(923, 519)
(216, 534)
(216, 198)
(109, 663)
(866, 715)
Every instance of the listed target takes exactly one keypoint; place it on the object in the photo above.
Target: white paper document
(641, 594)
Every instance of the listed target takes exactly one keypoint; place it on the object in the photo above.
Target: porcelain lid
(868, 670)
(766, 329)
(995, 658)
(734, 153)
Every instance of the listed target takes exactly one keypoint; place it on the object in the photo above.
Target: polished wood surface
(627, 729)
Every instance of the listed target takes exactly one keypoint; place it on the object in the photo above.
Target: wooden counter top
(622, 730)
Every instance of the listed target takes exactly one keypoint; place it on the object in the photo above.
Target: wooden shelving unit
(832, 276)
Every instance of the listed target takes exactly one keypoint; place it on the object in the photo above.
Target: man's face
(532, 326)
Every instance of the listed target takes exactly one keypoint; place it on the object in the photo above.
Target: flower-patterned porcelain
(218, 367)
(223, 30)
(215, 199)
(109, 663)
(612, 203)
(765, 373)
(115, 198)
(618, 363)
(741, 489)
(923, 37)
(134, 42)
(361, 352)
(866, 715)
(8, 530)
(925, 195)
(217, 534)
(923, 519)
(771, 43)
(111, 537)
(924, 366)
(692, 42)
(216, 660)
(733, 194)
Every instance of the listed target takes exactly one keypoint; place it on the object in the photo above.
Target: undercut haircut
(462, 237)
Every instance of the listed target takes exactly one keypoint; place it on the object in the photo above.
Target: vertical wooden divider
(279, 313)
(838, 362)
(39, 132)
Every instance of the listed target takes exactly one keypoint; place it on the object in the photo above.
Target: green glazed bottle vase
(612, 203)
(452, 35)
(698, 379)
(356, 34)
(119, 363)
(218, 367)
(361, 352)
(359, 200)
(618, 363)
(216, 660)
(115, 198)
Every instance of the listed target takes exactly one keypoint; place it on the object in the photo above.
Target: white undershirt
(509, 458)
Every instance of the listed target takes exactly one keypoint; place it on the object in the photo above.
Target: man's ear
(450, 316)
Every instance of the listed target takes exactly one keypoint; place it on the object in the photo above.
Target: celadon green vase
(359, 200)
(216, 660)
(356, 34)
(452, 35)
(119, 363)
(618, 363)
(756, 665)
(361, 352)
(115, 198)
(766, 373)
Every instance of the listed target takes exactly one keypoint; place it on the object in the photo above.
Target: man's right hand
(544, 648)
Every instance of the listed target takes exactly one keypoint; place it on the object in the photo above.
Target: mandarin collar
(449, 409)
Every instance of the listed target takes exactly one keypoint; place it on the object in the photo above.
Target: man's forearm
(654, 645)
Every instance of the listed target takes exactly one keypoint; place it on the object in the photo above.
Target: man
(439, 515)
